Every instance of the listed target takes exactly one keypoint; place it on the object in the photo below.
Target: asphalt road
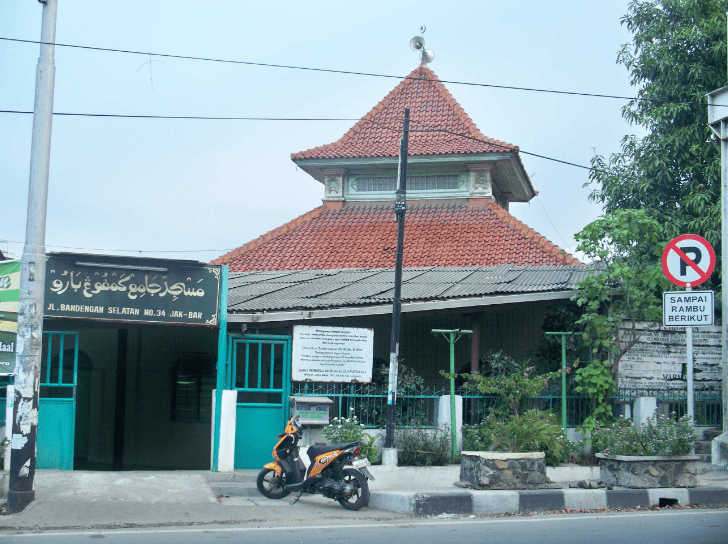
(664, 527)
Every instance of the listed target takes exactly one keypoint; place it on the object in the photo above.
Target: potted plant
(654, 454)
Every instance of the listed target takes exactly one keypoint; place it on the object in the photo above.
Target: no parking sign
(688, 260)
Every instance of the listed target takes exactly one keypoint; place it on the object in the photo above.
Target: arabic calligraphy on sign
(131, 284)
(170, 293)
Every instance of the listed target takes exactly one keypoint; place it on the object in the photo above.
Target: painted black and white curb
(546, 500)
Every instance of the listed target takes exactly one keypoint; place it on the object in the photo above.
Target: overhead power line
(351, 72)
(132, 250)
(192, 117)
(503, 146)
(209, 118)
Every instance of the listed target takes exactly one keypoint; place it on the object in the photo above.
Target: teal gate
(260, 371)
(57, 402)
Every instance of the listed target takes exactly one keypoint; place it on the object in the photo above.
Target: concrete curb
(545, 500)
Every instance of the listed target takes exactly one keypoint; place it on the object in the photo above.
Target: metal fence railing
(476, 407)
(369, 403)
(419, 408)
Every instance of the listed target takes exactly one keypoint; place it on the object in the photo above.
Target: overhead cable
(355, 73)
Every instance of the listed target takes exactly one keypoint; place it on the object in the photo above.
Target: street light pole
(32, 277)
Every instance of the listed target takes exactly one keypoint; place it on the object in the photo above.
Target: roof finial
(418, 44)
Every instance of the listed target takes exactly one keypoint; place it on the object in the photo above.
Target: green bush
(596, 382)
(343, 430)
(660, 435)
(575, 451)
(418, 447)
(510, 426)
(531, 431)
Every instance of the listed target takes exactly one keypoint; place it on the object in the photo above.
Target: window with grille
(382, 184)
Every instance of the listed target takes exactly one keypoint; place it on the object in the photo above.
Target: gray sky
(160, 186)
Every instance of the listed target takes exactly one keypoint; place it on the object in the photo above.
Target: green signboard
(9, 296)
(131, 290)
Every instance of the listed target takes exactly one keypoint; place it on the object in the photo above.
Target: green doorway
(57, 400)
(260, 371)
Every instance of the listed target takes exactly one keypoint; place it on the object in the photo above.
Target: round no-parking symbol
(688, 260)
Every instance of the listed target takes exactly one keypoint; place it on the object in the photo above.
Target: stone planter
(640, 472)
(495, 470)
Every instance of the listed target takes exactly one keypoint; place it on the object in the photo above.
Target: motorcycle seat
(314, 451)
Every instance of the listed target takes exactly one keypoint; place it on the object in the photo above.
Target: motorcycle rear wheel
(361, 495)
(270, 485)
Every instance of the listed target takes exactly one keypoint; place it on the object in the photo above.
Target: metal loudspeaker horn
(428, 56)
(417, 43)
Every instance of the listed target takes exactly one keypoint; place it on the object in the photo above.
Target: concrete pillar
(334, 184)
(443, 417)
(644, 407)
(228, 420)
(389, 457)
(719, 450)
(481, 181)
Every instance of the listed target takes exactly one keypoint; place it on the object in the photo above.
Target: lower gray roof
(293, 291)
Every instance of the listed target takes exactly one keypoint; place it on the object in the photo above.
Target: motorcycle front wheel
(270, 484)
(360, 495)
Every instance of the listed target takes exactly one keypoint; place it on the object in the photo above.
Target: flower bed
(640, 471)
(655, 454)
(499, 470)
(661, 435)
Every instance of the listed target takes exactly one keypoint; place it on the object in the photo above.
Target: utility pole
(32, 277)
(400, 207)
(718, 122)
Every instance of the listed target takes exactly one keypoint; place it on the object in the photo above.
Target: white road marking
(372, 524)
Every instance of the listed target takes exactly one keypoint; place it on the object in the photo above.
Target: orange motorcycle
(335, 471)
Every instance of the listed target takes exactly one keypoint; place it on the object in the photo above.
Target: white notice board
(332, 354)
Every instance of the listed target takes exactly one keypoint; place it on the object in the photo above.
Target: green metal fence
(476, 407)
(369, 404)
(708, 403)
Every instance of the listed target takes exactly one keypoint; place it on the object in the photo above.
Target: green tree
(625, 247)
(677, 55)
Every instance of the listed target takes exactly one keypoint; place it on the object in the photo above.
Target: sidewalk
(79, 499)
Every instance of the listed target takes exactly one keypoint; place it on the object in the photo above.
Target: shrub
(575, 451)
(510, 427)
(660, 435)
(596, 382)
(343, 430)
(422, 447)
(513, 389)
(530, 431)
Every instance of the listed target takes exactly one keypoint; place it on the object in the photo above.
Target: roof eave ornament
(418, 44)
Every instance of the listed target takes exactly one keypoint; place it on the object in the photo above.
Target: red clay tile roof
(365, 236)
(432, 107)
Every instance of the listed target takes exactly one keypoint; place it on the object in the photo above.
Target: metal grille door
(57, 402)
(260, 371)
